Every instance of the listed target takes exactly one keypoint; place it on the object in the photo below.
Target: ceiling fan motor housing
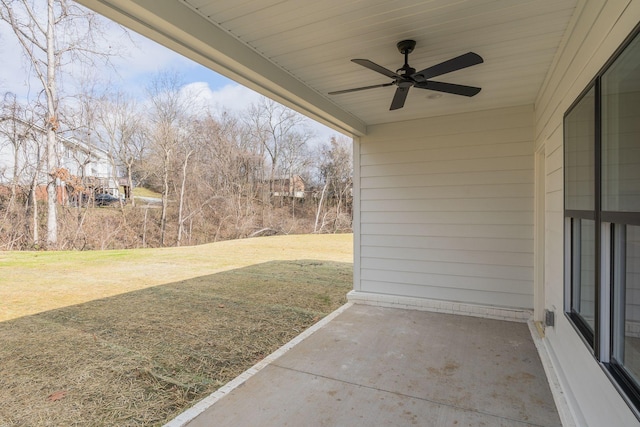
(406, 46)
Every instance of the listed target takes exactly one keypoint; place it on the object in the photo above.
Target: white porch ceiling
(299, 50)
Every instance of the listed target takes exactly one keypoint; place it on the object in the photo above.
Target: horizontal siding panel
(432, 153)
(515, 259)
(484, 297)
(462, 244)
(475, 218)
(445, 230)
(454, 192)
(550, 121)
(447, 212)
(554, 161)
(584, 55)
(474, 283)
(524, 176)
(488, 271)
(555, 201)
(495, 204)
(554, 181)
(450, 166)
(554, 258)
(474, 122)
(510, 93)
(554, 142)
(405, 142)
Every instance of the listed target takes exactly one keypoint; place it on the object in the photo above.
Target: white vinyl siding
(554, 254)
(447, 208)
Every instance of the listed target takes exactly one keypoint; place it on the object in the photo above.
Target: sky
(141, 59)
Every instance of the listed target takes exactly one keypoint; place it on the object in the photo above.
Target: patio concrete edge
(187, 416)
(564, 410)
(439, 306)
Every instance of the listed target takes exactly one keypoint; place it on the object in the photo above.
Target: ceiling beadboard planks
(315, 41)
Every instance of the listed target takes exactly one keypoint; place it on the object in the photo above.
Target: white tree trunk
(165, 196)
(33, 194)
(52, 125)
(183, 186)
(315, 227)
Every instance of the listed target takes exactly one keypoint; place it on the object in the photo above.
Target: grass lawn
(135, 337)
(144, 192)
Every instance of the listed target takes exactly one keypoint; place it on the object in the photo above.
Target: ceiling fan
(407, 77)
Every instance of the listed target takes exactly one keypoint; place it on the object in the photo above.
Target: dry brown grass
(31, 282)
(142, 357)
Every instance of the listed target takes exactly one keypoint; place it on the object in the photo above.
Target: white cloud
(140, 59)
(231, 97)
(235, 98)
(143, 57)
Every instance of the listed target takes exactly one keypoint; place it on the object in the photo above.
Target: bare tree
(21, 151)
(59, 34)
(172, 113)
(272, 125)
(187, 148)
(81, 119)
(12, 129)
(121, 131)
(296, 161)
(336, 170)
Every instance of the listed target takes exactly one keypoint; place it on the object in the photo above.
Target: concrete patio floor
(373, 366)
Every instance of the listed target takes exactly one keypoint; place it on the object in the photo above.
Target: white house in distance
(23, 144)
(521, 199)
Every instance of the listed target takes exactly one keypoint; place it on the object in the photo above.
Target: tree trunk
(52, 121)
(165, 197)
(16, 168)
(315, 227)
(33, 197)
(144, 228)
(183, 185)
(132, 199)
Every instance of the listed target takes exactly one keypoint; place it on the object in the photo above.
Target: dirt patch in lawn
(141, 358)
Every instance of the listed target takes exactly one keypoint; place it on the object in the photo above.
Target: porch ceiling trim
(178, 27)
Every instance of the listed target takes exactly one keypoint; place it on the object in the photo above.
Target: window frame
(588, 335)
(609, 226)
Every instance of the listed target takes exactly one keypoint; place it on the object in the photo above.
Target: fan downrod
(406, 47)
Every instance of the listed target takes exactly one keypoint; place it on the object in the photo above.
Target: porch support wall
(598, 29)
(446, 209)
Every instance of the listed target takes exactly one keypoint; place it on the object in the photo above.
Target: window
(626, 283)
(602, 218)
(580, 211)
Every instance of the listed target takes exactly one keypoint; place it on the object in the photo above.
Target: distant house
(288, 187)
(82, 167)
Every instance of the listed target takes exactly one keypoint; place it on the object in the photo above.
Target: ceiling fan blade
(449, 88)
(459, 62)
(399, 97)
(338, 92)
(377, 68)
